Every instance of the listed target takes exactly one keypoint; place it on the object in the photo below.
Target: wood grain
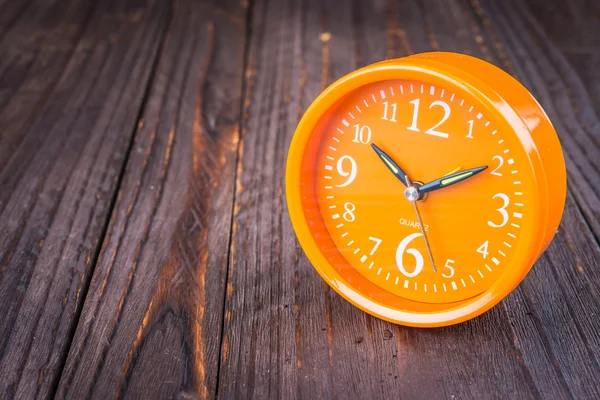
(576, 59)
(515, 350)
(561, 293)
(72, 80)
(151, 323)
(540, 64)
(142, 162)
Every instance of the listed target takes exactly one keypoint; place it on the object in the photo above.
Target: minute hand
(451, 179)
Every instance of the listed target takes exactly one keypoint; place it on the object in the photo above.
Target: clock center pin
(411, 194)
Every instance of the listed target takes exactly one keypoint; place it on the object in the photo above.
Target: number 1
(470, 135)
(413, 126)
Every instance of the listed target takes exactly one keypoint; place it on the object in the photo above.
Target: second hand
(421, 226)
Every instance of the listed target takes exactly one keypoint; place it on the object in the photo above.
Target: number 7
(377, 243)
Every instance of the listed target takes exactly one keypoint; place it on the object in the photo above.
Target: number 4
(483, 249)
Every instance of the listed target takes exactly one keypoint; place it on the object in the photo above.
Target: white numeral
(483, 249)
(446, 108)
(385, 111)
(448, 265)
(351, 174)
(349, 213)
(377, 243)
(501, 162)
(413, 126)
(432, 130)
(470, 135)
(501, 210)
(362, 135)
(418, 257)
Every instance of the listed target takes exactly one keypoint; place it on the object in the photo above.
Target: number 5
(448, 265)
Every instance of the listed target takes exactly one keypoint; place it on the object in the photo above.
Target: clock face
(423, 189)
(455, 231)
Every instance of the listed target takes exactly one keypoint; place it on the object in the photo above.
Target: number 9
(340, 169)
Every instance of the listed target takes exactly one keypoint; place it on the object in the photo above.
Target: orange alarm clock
(423, 189)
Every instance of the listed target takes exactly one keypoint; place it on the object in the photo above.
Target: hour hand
(387, 160)
(451, 179)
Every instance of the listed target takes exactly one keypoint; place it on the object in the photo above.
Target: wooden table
(145, 245)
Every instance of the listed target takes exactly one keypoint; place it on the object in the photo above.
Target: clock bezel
(405, 311)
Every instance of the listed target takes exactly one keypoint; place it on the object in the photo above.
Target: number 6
(414, 252)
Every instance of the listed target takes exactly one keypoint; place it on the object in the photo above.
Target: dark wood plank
(151, 323)
(73, 79)
(10, 13)
(266, 286)
(561, 293)
(576, 57)
(540, 342)
(555, 81)
(371, 344)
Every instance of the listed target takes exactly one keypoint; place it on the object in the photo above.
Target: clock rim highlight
(511, 107)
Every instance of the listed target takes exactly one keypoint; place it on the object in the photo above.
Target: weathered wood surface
(144, 142)
(72, 80)
(152, 319)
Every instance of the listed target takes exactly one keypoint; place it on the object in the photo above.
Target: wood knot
(325, 37)
(387, 334)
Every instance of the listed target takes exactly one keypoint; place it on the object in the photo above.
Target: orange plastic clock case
(511, 107)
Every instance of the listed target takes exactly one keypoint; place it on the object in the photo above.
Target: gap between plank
(244, 87)
(110, 209)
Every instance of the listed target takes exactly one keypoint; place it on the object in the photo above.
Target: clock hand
(392, 166)
(411, 194)
(450, 179)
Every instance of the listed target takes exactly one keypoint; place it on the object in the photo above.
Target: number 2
(495, 171)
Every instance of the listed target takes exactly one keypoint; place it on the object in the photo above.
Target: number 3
(501, 210)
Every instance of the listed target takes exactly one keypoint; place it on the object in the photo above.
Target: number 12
(432, 130)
